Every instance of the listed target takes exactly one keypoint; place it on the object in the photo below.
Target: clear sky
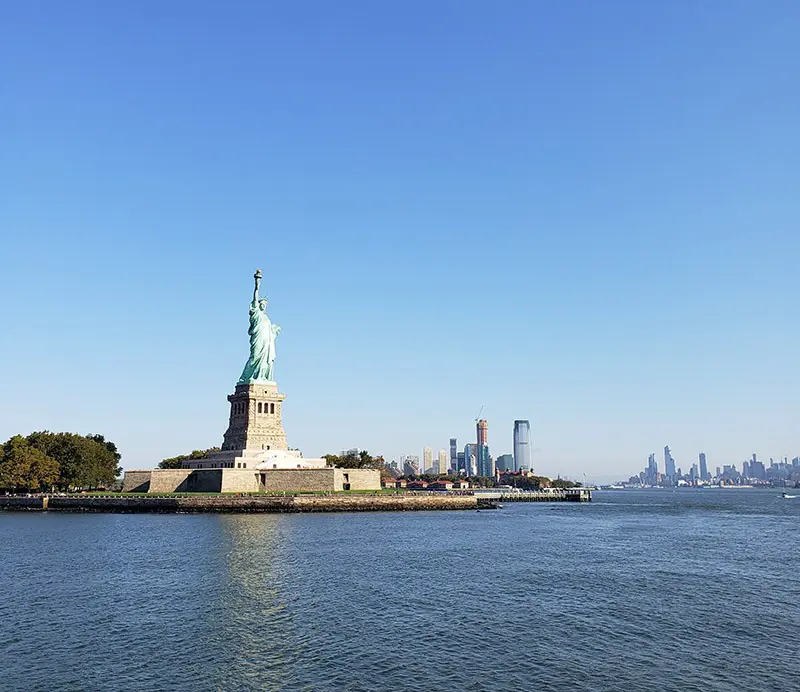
(585, 214)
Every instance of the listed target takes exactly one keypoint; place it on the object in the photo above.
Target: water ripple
(645, 592)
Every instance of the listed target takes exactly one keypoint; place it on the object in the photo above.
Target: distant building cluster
(754, 472)
(475, 459)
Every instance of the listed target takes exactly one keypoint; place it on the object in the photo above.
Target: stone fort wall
(172, 481)
(358, 479)
(327, 479)
(239, 481)
(297, 480)
(136, 482)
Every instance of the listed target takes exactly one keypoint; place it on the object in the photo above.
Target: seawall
(246, 503)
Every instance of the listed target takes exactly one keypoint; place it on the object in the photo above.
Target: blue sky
(583, 214)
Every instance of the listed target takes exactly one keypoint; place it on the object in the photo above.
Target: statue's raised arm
(257, 277)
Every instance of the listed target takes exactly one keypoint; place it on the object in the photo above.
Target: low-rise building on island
(254, 456)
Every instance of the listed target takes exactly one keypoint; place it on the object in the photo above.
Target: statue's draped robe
(259, 366)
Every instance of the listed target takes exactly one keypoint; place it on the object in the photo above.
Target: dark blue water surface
(639, 590)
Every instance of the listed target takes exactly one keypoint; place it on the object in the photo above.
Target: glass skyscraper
(669, 464)
(505, 462)
(522, 445)
(485, 461)
(704, 474)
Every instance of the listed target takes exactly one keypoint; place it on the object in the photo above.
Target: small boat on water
(786, 496)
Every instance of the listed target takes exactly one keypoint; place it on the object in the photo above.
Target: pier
(543, 495)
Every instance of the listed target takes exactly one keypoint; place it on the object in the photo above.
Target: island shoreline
(245, 504)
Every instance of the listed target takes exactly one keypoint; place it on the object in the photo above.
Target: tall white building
(427, 460)
(522, 445)
(442, 464)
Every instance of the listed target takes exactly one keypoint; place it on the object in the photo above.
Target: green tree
(175, 462)
(110, 446)
(362, 460)
(85, 461)
(23, 466)
(482, 481)
(528, 482)
(563, 483)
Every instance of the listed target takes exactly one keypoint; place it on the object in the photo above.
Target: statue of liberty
(260, 367)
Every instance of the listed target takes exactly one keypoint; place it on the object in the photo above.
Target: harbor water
(639, 590)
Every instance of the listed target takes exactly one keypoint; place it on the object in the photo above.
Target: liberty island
(254, 456)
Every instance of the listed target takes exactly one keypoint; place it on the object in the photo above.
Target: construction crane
(478, 417)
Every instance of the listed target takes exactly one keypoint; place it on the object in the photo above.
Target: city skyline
(689, 460)
(451, 461)
(692, 471)
(752, 469)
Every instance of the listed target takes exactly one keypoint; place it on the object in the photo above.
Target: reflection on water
(251, 618)
(637, 591)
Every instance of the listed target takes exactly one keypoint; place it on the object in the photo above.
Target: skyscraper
(669, 464)
(651, 474)
(427, 460)
(505, 462)
(483, 458)
(704, 475)
(482, 427)
(522, 446)
(454, 454)
(462, 468)
(485, 462)
(469, 459)
(442, 466)
(411, 466)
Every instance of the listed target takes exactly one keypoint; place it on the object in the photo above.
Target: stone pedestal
(255, 421)
(255, 438)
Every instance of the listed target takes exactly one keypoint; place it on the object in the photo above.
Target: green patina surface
(260, 366)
